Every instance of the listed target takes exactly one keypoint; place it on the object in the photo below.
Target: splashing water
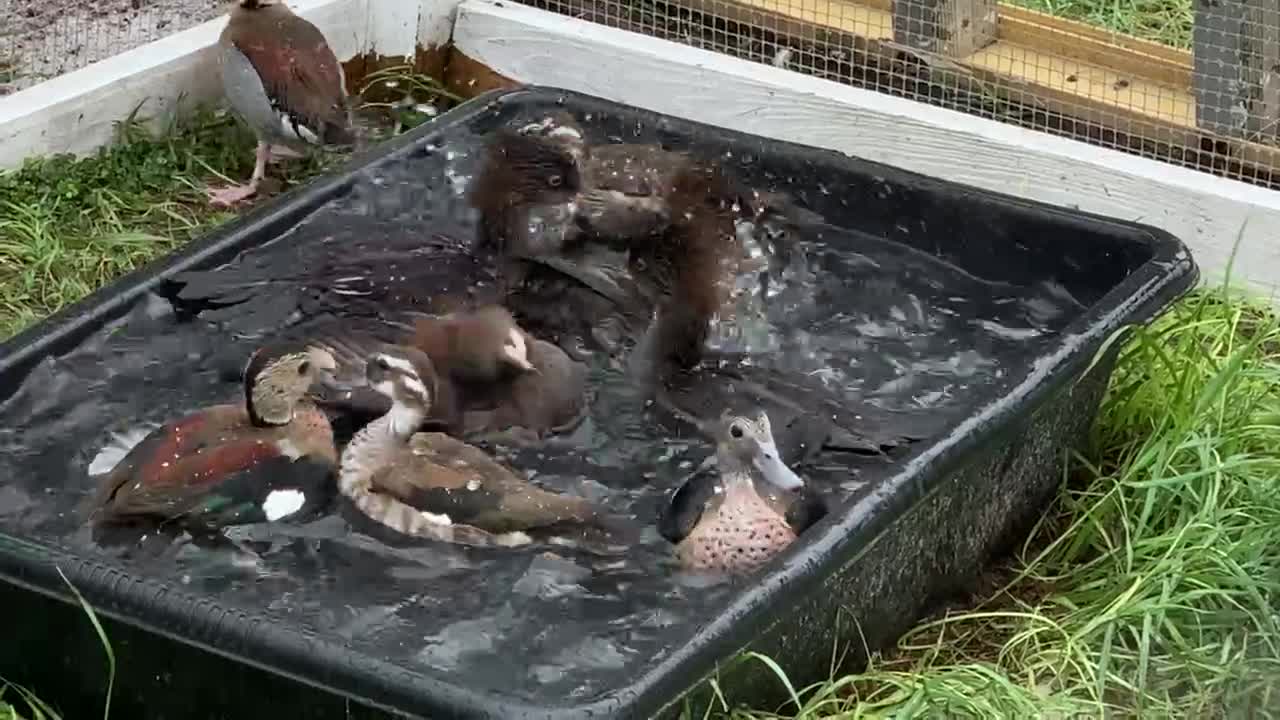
(868, 319)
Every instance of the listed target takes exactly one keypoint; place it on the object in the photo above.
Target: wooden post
(953, 28)
(1237, 67)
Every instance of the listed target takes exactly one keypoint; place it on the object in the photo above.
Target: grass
(69, 226)
(1151, 589)
(1165, 21)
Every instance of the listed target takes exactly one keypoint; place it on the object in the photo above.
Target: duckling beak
(769, 463)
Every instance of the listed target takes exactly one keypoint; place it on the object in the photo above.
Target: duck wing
(444, 476)
(806, 418)
(348, 273)
(296, 72)
(210, 484)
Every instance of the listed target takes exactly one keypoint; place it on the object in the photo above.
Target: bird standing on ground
(283, 80)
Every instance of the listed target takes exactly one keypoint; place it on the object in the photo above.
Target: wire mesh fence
(1197, 85)
(1191, 82)
(42, 39)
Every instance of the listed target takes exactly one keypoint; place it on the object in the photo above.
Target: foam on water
(867, 318)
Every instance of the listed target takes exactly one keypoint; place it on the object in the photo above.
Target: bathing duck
(270, 458)
(283, 80)
(431, 485)
(625, 186)
(492, 375)
(746, 511)
(527, 192)
(690, 271)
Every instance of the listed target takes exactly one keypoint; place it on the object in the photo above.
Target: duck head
(407, 377)
(487, 345)
(277, 378)
(523, 169)
(561, 129)
(745, 447)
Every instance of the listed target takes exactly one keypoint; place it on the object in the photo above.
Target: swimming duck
(690, 271)
(428, 484)
(283, 80)
(492, 375)
(751, 508)
(270, 458)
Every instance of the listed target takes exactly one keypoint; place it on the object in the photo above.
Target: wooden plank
(1237, 60)
(1137, 87)
(952, 28)
(1208, 213)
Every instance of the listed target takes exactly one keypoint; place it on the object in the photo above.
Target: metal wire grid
(42, 39)
(1214, 106)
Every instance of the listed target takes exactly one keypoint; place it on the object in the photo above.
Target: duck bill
(776, 472)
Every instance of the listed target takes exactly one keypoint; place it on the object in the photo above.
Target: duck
(281, 77)
(269, 458)
(751, 507)
(432, 485)
(493, 376)
(527, 192)
(625, 188)
(690, 272)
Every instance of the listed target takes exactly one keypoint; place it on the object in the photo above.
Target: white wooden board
(1206, 212)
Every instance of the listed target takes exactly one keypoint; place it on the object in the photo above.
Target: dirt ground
(41, 39)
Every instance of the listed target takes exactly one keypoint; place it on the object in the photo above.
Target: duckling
(690, 272)
(284, 81)
(748, 511)
(493, 375)
(527, 192)
(271, 458)
(626, 186)
(428, 484)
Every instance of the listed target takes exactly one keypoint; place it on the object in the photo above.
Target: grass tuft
(1150, 589)
(1166, 21)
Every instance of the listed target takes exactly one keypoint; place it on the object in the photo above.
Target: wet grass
(1151, 588)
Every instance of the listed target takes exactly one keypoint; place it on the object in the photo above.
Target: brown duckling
(626, 186)
(493, 375)
(751, 508)
(281, 77)
(431, 485)
(690, 270)
(270, 458)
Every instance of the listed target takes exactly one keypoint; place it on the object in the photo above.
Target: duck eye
(382, 364)
(304, 367)
(555, 181)
(735, 430)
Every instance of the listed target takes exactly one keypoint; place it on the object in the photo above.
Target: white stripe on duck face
(398, 363)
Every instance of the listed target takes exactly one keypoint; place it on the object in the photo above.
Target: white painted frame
(1208, 213)
(77, 112)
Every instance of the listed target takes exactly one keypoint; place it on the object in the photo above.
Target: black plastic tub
(979, 318)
